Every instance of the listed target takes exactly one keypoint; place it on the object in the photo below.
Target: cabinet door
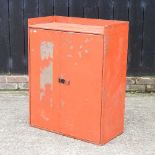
(81, 59)
(44, 71)
(65, 82)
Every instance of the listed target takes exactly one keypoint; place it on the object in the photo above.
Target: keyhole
(62, 81)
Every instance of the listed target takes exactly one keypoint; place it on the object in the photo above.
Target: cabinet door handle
(63, 81)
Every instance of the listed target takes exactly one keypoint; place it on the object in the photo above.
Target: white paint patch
(75, 63)
(62, 103)
(35, 31)
(46, 76)
(71, 47)
(43, 116)
(46, 50)
(81, 46)
(86, 51)
(80, 55)
(86, 99)
(69, 56)
(72, 33)
(51, 103)
(42, 94)
(86, 40)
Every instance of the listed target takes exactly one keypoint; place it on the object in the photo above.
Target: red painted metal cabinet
(77, 71)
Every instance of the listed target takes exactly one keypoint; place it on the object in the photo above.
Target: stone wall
(134, 84)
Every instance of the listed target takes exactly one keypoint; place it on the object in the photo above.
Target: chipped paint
(71, 47)
(106, 43)
(81, 46)
(80, 55)
(87, 40)
(62, 103)
(69, 55)
(46, 50)
(86, 51)
(86, 99)
(51, 103)
(75, 63)
(51, 100)
(42, 94)
(43, 116)
(71, 33)
(46, 76)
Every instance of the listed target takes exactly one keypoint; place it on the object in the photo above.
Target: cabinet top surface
(73, 24)
(79, 28)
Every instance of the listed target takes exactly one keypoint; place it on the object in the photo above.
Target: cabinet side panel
(29, 72)
(114, 81)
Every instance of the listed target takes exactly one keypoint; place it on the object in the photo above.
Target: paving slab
(18, 138)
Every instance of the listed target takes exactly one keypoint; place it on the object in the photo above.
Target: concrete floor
(17, 138)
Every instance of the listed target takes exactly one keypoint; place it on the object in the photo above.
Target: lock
(63, 81)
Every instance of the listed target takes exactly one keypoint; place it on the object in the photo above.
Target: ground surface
(17, 138)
